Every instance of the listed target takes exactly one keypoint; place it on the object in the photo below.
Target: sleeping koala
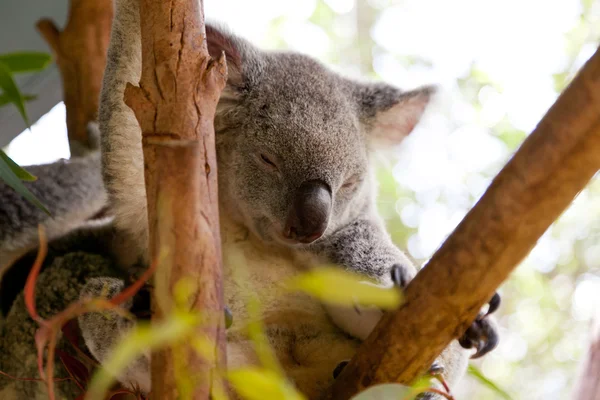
(296, 190)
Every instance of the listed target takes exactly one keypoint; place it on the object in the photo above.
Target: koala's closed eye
(351, 182)
(268, 162)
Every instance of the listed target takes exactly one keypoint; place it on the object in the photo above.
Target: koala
(73, 192)
(296, 190)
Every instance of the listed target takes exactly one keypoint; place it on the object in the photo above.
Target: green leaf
(477, 374)
(8, 175)
(139, 339)
(259, 384)
(26, 61)
(9, 86)
(335, 286)
(4, 99)
(21, 173)
(394, 391)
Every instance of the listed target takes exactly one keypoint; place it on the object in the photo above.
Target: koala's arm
(72, 190)
(121, 139)
(364, 246)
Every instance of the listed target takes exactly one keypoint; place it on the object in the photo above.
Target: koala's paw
(401, 276)
(482, 334)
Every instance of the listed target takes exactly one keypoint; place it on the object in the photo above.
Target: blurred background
(500, 65)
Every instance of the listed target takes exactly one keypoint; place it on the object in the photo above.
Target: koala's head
(293, 140)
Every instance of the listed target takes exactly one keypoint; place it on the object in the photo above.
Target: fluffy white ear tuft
(391, 125)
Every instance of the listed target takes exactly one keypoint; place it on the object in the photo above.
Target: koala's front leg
(364, 247)
(101, 331)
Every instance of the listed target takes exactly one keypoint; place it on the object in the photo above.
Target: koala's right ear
(219, 39)
(390, 114)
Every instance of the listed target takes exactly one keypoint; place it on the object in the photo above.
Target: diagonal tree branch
(175, 105)
(552, 166)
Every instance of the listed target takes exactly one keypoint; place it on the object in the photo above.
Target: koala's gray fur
(72, 190)
(315, 125)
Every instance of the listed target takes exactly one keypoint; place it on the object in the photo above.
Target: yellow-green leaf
(477, 374)
(142, 337)
(259, 339)
(260, 384)
(335, 286)
(390, 391)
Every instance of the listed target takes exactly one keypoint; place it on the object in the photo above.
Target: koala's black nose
(309, 214)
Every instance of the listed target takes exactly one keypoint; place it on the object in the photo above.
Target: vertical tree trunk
(532, 190)
(80, 52)
(175, 105)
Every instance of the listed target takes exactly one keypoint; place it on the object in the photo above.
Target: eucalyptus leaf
(4, 99)
(255, 383)
(11, 179)
(385, 391)
(20, 172)
(26, 61)
(10, 89)
(477, 374)
(334, 285)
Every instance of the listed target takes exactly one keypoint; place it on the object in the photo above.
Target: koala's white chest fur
(307, 343)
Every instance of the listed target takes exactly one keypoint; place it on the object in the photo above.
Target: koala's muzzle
(309, 215)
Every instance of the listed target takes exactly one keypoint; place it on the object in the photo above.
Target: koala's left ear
(390, 114)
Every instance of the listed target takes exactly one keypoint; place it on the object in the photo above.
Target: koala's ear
(219, 39)
(390, 114)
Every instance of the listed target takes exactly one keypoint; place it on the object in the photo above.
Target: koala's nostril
(309, 215)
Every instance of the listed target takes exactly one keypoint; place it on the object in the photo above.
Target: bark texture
(80, 53)
(175, 105)
(552, 166)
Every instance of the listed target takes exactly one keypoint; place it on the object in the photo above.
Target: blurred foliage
(11, 64)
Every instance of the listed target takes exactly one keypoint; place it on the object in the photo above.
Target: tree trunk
(80, 52)
(552, 166)
(175, 105)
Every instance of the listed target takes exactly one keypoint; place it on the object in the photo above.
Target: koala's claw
(482, 334)
(494, 304)
(400, 277)
(338, 369)
(436, 369)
